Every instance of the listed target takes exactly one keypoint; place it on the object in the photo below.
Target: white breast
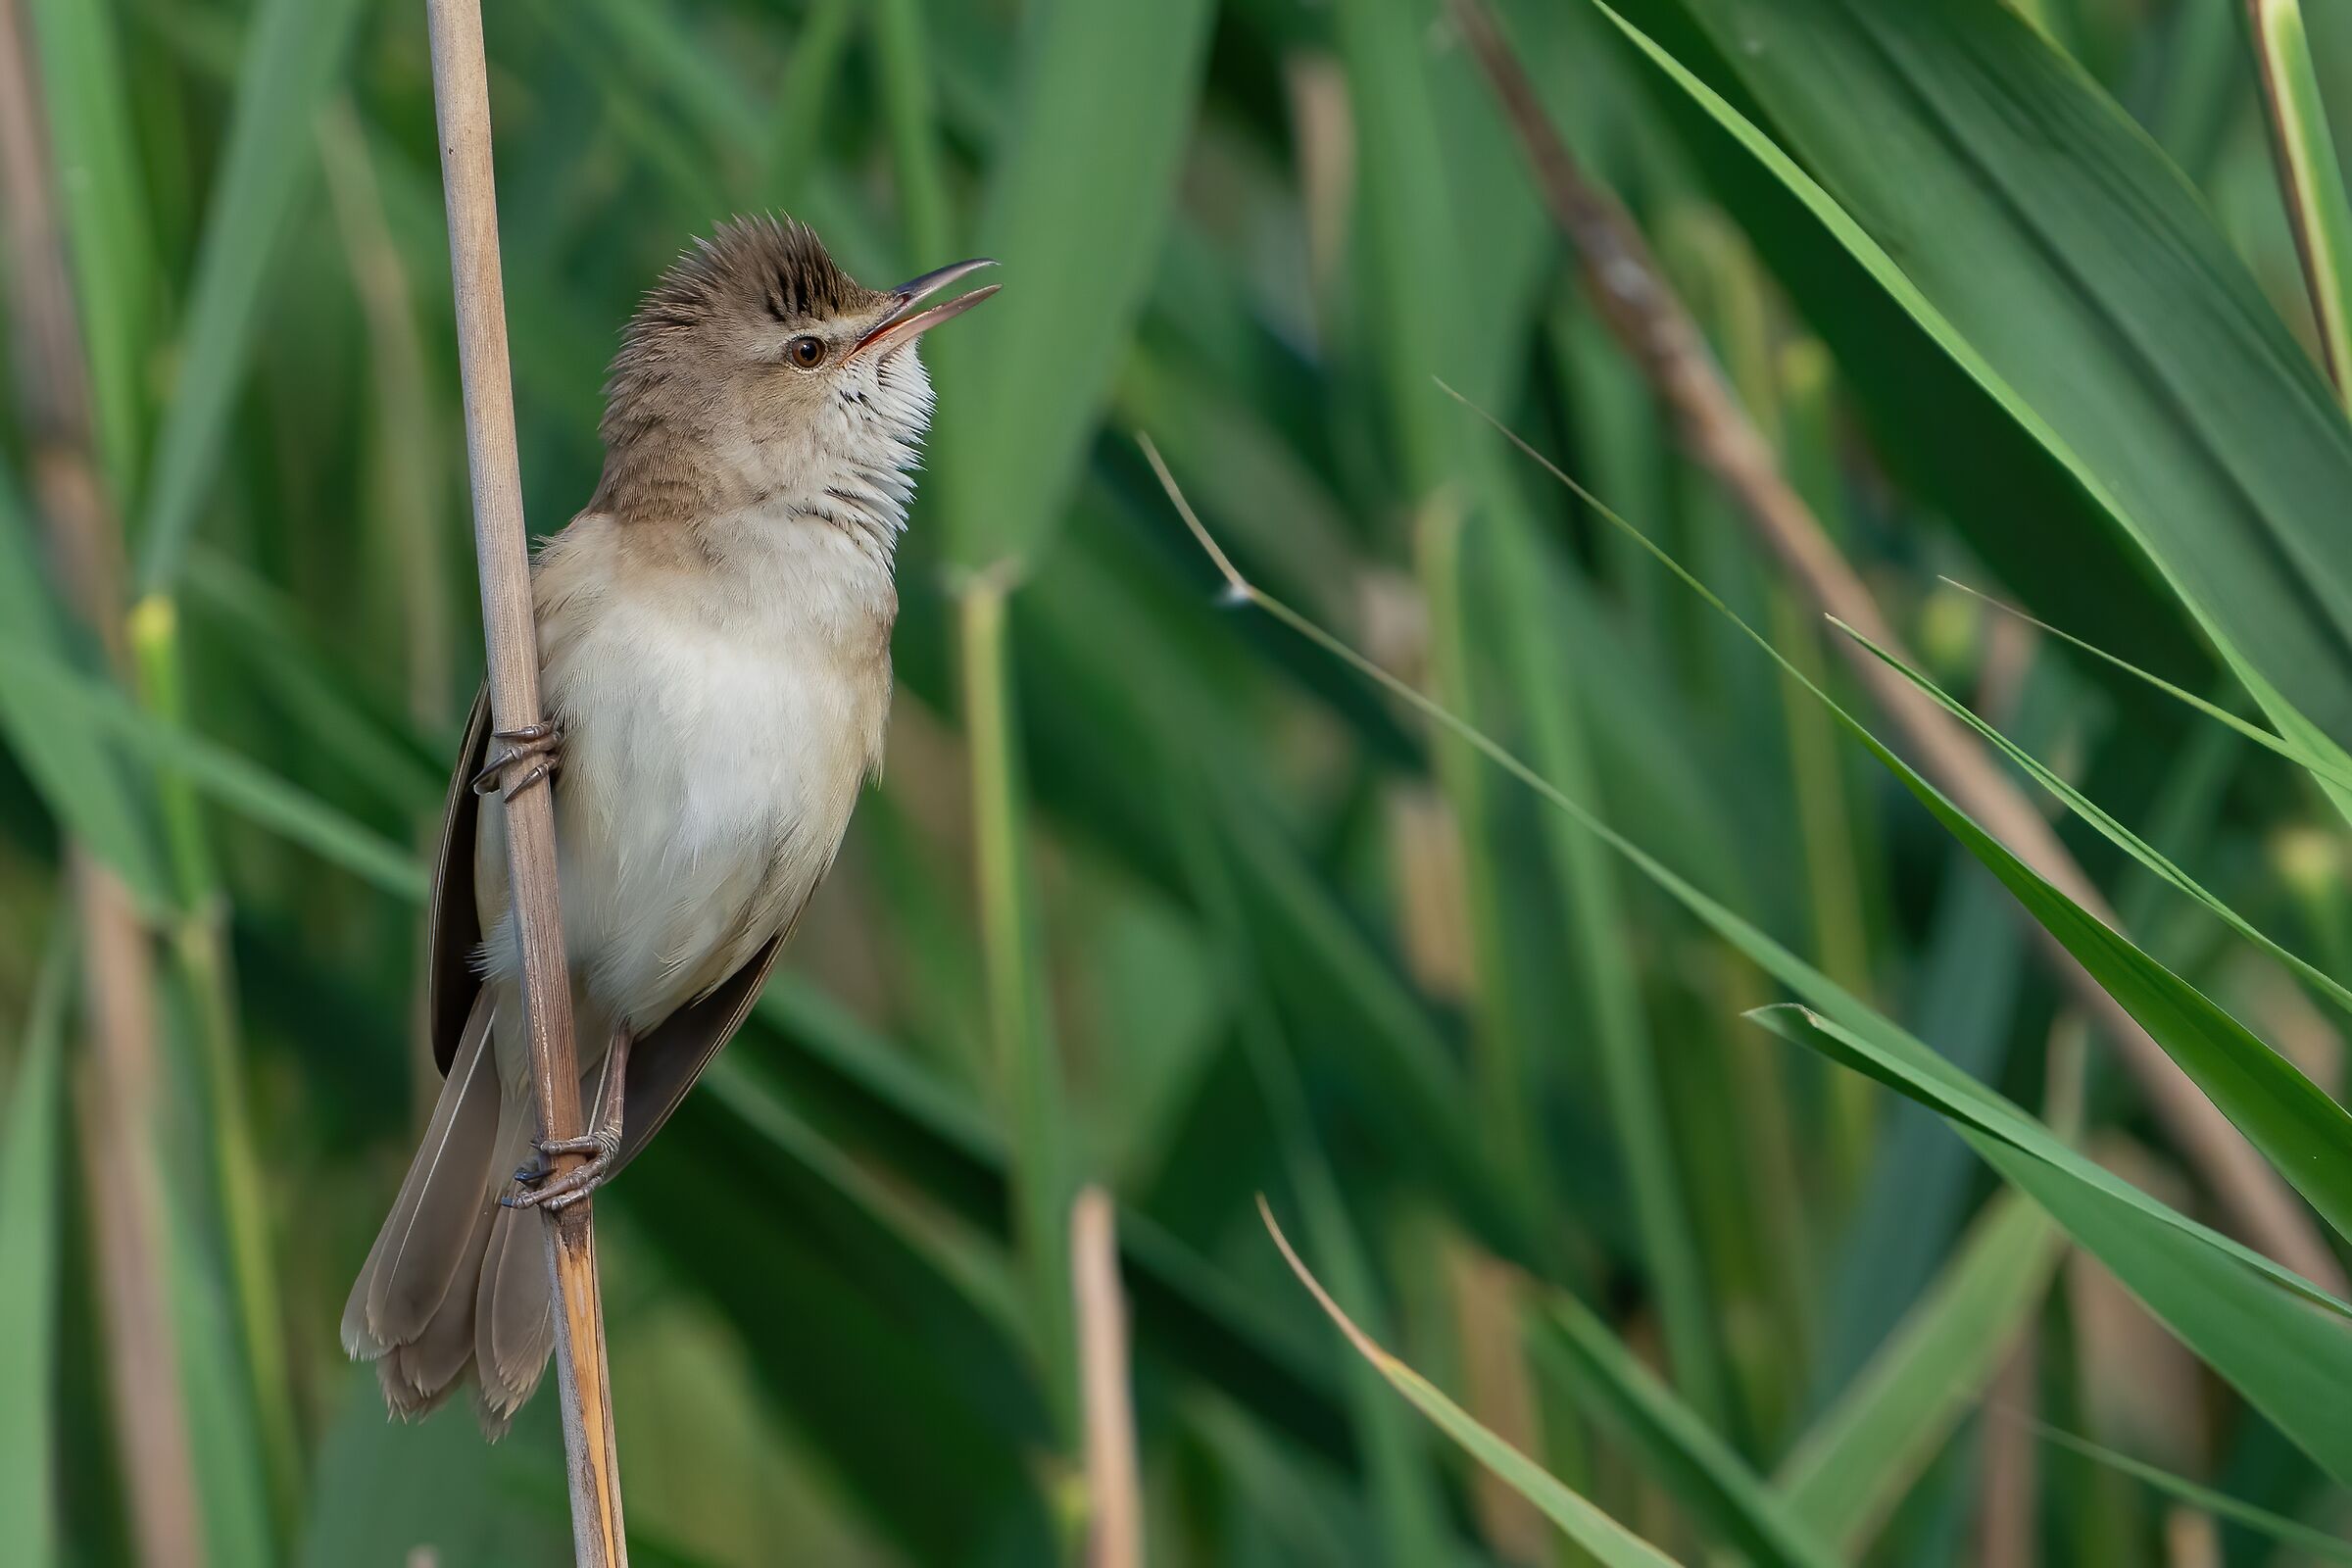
(717, 726)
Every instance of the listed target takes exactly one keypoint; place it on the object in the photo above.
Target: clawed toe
(585, 1143)
(600, 1144)
(539, 743)
(564, 1190)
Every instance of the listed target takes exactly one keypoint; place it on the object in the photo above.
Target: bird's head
(759, 373)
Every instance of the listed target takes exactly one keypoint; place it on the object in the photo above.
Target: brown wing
(456, 930)
(662, 1065)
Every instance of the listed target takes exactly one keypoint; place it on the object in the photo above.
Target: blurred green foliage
(1156, 893)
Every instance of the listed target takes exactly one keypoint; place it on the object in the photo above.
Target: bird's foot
(540, 745)
(543, 1189)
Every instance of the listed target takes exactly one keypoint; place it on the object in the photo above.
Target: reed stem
(461, 111)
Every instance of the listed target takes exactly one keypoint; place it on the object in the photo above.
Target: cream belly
(713, 747)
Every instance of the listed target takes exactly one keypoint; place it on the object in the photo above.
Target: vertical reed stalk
(117, 1103)
(1029, 1072)
(461, 111)
(1114, 1487)
(1503, 1073)
(199, 947)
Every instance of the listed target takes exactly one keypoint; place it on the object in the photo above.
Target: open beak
(905, 323)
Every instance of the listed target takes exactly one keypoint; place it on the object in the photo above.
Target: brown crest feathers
(767, 264)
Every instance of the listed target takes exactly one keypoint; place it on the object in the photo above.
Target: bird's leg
(601, 1143)
(542, 740)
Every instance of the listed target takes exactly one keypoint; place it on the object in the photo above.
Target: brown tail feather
(420, 1374)
(423, 1243)
(514, 1319)
(412, 1308)
(454, 1283)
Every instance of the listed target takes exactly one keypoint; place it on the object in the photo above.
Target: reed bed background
(2034, 304)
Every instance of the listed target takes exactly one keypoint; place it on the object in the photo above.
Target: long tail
(454, 1283)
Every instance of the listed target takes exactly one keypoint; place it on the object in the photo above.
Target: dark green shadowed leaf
(385, 1490)
(1405, 1497)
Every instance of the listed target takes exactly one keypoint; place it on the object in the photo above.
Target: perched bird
(714, 652)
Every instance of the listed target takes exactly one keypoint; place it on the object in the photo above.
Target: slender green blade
(231, 1464)
(31, 1207)
(1397, 1473)
(648, 35)
(1918, 1190)
(1865, 1452)
(293, 54)
(1028, 1064)
(798, 114)
(1075, 213)
(1505, 1089)
(2291, 1363)
(1578, 1518)
(2313, 179)
(2331, 768)
(2286, 1532)
(372, 747)
(1693, 1462)
(100, 187)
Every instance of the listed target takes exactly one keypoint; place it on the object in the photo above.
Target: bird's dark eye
(806, 352)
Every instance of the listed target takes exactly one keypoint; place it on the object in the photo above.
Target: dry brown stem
(461, 111)
(1113, 1479)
